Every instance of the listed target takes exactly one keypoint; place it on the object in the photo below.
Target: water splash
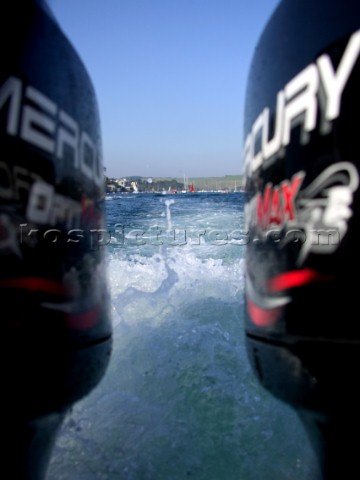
(168, 214)
(179, 399)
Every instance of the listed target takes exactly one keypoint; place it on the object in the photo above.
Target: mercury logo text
(37, 120)
(317, 85)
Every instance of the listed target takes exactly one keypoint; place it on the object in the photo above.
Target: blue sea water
(179, 400)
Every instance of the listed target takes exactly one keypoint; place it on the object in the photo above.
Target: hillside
(227, 182)
(158, 184)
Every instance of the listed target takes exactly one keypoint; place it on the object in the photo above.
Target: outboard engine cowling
(302, 161)
(55, 324)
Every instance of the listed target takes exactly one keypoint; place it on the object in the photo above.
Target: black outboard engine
(302, 161)
(55, 324)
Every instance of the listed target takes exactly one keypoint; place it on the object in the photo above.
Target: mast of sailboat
(185, 187)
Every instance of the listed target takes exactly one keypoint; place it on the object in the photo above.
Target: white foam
(156, 287)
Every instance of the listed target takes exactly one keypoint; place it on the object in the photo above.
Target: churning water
(179, 400)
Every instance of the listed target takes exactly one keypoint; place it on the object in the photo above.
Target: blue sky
(170, 79)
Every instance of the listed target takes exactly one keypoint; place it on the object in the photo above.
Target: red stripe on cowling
(296, 278)
(34, 284)
(76, 321)
(85, 320)
(262, 317)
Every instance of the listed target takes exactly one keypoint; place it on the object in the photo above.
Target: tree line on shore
(142, 184)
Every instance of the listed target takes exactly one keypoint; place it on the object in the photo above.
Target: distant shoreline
(158, 184)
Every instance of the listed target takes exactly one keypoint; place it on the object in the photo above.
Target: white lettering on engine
(44, 125)
(297, 104)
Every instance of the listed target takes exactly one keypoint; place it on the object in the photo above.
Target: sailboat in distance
(188, 188)
(184, 190)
